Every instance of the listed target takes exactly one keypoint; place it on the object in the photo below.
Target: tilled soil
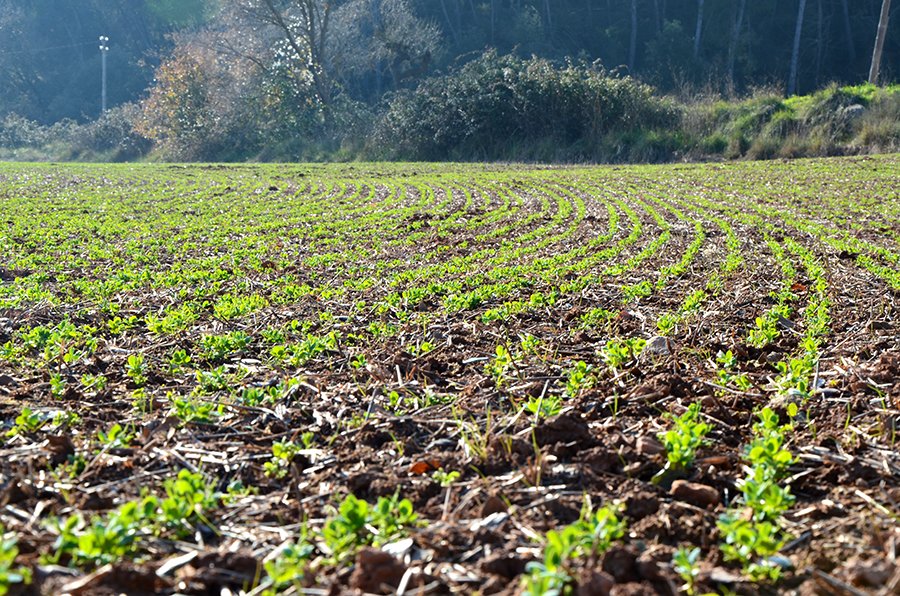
(420, 274)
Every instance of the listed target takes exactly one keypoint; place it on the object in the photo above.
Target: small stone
(695, 494)
(493, 504)
(658, 346)
(720, 575)
(648, 445)
(852, 112)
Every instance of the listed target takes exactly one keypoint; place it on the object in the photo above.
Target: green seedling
(95, 383)
(591, 536)
(579, 378)
(283, 453)
(544, 406)
(444, 478)
(685, 564)
(288, 567)
(118, 534)
(117, 437)
(189, 496)
(753, 540)
(136, 369)
(357, 523)
(28, 421)
(255, 397)
(179, 359)
(73, 467)
(231, 306)
(10, 574)
(619, 352)
(211, 381)
(216, 348)
(637, 291)
(667, 323)
(57, 385)
(727, 371)
(299, 354)
(173, 321)
(499, 366)
(682, 441)
(63, 420)
(118, 325)
(529, 344)
(190, 410)
(107, 539)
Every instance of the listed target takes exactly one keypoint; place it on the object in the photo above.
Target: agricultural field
(431, 379)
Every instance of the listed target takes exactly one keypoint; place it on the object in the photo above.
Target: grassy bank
(833, 121)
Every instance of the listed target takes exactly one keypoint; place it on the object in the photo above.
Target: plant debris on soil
(433, 379)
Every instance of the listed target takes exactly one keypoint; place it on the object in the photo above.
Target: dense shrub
(503, 107)
(17, 132)
(111, 137)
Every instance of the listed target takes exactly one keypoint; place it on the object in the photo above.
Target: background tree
(50, 64)
(795, 54)
(358, 50)
(879, 41)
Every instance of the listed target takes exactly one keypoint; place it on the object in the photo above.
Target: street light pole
(104, 48)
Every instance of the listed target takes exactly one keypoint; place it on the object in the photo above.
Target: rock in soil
(648, 445)
(493, 504)
(695, 494)
(658, 346)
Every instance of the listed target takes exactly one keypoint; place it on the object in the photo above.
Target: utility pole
(104, 49)
(879, 41)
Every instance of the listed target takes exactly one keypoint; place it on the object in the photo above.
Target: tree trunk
(375, 8)
(549, 20)
(632, 46)
(820, 40)
(879, 41)
(848, 31)
(493, 20)
(699, 30)
(657, 17)
(795, 53)
(735, 36)
(450, 26)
